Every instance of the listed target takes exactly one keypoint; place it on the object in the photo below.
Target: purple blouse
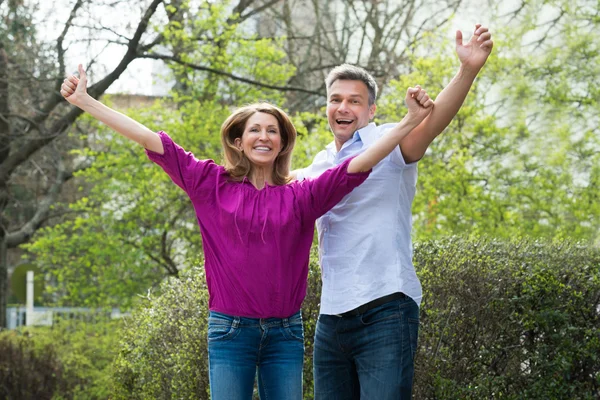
(256, 242)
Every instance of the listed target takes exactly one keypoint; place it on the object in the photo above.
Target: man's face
(348, 109)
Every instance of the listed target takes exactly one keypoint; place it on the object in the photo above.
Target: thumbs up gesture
(74, 89)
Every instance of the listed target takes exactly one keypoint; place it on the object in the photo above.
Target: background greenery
(506, 217)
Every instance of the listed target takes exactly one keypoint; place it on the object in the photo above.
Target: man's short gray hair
(348, 72)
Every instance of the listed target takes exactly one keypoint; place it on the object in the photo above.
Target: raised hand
(475, 52)
(74, 89)
(419, 104)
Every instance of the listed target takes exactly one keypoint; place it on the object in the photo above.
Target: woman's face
(261, 141)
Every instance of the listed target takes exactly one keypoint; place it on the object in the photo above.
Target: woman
(257, 229)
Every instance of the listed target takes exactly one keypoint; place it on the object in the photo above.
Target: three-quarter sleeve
(331, 186)
(184, 169)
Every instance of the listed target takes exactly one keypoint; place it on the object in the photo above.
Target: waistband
(373, 304)
(215, 316)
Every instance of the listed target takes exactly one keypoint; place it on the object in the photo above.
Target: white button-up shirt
(365, 245)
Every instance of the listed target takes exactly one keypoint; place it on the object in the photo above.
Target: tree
(135, 226)
(35, 154)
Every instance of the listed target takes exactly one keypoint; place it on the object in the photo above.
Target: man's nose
(343, 106)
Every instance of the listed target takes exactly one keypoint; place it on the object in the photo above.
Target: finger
(488, 45)
(481, 30)
(412, 91)
(421, 95)
(428, 103)
(459, 38)
(484, 36)
(66, 89)
(424, 100)
(73, 79)
(477, 26)
(82, 74)
(69, 84)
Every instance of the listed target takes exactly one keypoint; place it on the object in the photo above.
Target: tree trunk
(4, 150)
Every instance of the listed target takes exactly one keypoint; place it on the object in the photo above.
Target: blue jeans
(239, 347)
(369, 356)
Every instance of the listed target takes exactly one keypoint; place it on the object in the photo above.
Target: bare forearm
(449, 101)
(384, 146)
(447, 104)
(122, 124)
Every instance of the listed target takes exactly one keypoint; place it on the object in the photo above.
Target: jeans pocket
(379, 314)
(413, 331)
(221, 329)
(294, 331)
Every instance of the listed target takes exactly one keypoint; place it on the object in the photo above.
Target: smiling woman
(258, 141)
(257, 229)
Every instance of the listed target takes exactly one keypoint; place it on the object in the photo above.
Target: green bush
(28, 371)
(514, 320)
(163, 352)
(70, 360)
(506, 320)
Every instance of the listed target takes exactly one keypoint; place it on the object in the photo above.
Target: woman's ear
(238, 144)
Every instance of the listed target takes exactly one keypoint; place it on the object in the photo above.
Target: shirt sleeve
(331, 186)
(184, 169)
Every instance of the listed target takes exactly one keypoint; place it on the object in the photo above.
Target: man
(366, 336)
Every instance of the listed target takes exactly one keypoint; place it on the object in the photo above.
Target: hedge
(508, 320)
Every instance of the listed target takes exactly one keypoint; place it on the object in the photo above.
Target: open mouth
(344, 121)
(262, 148)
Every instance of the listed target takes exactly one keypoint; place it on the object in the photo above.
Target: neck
(260, 175)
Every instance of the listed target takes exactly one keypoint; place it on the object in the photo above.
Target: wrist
(85, 101)
(468, 72)
(411, 121)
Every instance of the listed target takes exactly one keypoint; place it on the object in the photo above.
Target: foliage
(163, 350)
(70, 360)
(135, 227)
(516, 160)
(508, 319)
(27, 372)
(511, 319)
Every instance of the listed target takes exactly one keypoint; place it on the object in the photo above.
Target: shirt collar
(364, 134)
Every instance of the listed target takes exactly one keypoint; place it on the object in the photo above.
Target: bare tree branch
(227, 74)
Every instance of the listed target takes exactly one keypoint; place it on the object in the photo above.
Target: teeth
(262, 148)
(344, 120)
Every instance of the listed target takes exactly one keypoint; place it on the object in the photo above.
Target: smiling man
(366, 335)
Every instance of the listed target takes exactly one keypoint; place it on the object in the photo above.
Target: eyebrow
(360, 96)
(268, 126)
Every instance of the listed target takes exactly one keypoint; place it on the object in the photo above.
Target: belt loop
(236, 322)
(286, 322)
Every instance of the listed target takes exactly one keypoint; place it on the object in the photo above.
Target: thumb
(459, 38)
(82, 75)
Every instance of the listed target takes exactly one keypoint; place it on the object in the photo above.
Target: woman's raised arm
(74, 91)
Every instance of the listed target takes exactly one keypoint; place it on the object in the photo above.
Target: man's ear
(372, 109)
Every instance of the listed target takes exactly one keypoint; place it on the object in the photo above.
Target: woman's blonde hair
(236, 162)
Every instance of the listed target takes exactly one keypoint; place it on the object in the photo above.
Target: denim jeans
(369, 356)
(239, 348)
